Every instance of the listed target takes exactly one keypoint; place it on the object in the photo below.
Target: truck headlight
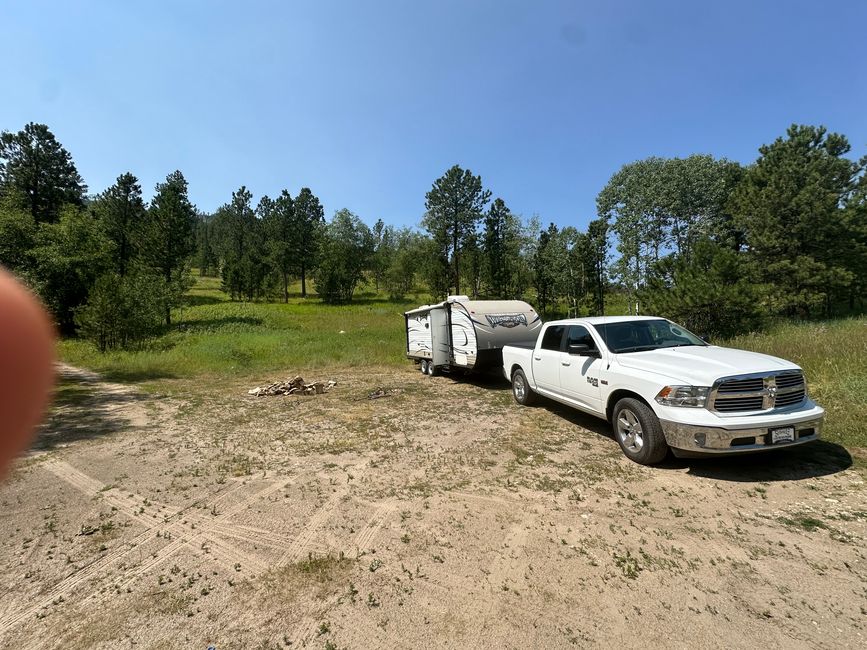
(691, 396)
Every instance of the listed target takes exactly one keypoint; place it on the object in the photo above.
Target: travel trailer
(464, 334)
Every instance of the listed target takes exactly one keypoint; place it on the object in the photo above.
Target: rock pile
(295, 386)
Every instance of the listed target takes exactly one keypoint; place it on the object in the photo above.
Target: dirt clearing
(440, 515)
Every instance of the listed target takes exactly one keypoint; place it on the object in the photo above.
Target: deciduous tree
(346, 247)
(17, 238)
(659, 206)
(69, 256)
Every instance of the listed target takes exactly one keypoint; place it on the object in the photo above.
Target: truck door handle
(538, 358)
(565, 363)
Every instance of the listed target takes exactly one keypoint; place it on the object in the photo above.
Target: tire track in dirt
(299, 544)
(366, 535)
(305, 537)
(66, 586)
(89, 485)
(199, 536)
(263, 539)
(177, 532)
(228, 554)
(499, 571)
(156, 558)
(308, 627)
(489, 498)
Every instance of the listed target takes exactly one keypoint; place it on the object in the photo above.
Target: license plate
(783, 434)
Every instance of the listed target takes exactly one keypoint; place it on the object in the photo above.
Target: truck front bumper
(691, 439)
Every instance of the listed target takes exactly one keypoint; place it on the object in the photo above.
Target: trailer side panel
(465, 344)
(418, 336)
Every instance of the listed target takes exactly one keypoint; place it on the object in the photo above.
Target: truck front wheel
(524, 395)
(638, 432)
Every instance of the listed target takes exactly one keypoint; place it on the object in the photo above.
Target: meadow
(833, 355)
(215, 338)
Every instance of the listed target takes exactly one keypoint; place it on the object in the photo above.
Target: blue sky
(369, 102)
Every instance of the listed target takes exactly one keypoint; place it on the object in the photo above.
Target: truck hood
(701, 366)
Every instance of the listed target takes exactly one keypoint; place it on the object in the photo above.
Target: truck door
(546, 358)
(441, 343)
(579, 375)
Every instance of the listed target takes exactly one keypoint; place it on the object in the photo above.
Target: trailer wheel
(638, 432)
(521, 390)
(432, 370)
(423, 366)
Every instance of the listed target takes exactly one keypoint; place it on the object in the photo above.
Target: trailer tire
(432, 370)
(423, 364)
(638, 432)
(521, 390)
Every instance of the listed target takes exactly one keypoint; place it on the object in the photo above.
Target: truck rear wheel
(521, 390)
(638, 432)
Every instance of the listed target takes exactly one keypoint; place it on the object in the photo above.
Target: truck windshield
(643, 335)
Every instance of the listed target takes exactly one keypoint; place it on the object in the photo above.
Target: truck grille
(760, 392)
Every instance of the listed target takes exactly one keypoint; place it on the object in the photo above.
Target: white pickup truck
(663, 388)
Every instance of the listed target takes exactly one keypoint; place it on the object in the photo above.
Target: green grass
(833, 355)
(213, 336)
(801, 520)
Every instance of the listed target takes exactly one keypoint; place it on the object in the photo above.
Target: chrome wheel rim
(519, 388)
(629, 431)
(424, 366)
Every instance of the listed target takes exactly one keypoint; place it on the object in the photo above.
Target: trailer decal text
(506, 320)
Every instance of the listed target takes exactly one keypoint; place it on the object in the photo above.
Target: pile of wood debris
(295, 386)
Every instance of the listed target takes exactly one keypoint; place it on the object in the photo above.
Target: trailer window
(553, 337)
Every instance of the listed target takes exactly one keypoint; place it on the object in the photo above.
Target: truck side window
(578, 335)
(553, 337)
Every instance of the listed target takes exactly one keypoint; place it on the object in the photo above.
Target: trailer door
(441, 346)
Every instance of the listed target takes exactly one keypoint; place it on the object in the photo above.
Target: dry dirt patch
(441, 515)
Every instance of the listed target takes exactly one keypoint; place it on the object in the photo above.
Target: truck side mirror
(582, 350)
(705, 338)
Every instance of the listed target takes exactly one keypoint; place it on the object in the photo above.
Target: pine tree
(307, 226)
(454, 207)
(494, 245)
(167, 242)
(790, 206)
(709, 293)
(37, 173)
(121, 211)
(278, 219)
(242, 245)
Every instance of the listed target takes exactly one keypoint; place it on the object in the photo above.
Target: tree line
(711, 243)
(723, 247)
